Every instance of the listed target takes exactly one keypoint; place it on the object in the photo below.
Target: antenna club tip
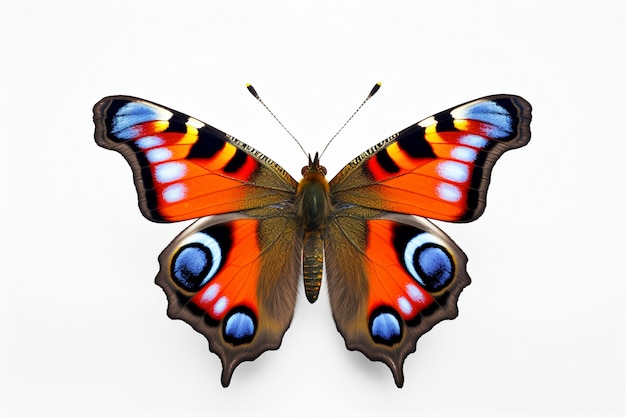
(374, 89)
(252, 91)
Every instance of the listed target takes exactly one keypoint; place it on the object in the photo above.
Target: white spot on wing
(405, 305)
(453, 171)
(170, 171)
(463, 153)
(158, 155)
(448, 192)
(474, 141)
(195, 123)
(149, 142)
(174, 193)
(210, 293)
(427, 122)
(462, 112)
(220, 305)
(414, 293)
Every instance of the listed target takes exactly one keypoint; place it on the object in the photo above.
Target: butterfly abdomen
(312, 263)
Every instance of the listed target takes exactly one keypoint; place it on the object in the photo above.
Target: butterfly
(234, 274)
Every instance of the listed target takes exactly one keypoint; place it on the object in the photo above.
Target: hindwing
(234, 279)
(390, 280)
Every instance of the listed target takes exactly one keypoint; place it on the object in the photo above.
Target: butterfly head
(314, 168)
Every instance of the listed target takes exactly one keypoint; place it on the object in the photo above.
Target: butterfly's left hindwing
(400, 281)
(216, 280)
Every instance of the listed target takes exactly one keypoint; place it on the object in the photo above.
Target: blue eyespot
(190, 266)
(429, 263)
(435, 266)
(239, 327)
(385, 327)
(195, 263)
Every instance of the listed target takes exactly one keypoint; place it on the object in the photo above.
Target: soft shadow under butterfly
(233, 275)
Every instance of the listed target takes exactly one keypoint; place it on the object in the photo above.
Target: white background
(83, 328)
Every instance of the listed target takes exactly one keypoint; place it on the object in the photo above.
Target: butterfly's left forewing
(393, 276)
(439, 168)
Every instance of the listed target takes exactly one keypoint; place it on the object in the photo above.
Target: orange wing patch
(184, 168)
(234, 285)
(389, 281)
(438, 168)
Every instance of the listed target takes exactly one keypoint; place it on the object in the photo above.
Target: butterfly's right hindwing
(216, 280)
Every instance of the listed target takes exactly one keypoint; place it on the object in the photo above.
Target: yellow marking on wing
(461, 124)
(191, 130)
(431, 134)
(160, 125)
(400, 157)
(432, 129)
(190, 137)
(223, 157)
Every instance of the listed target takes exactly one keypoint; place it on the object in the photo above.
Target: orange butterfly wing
(231, 276)
(183, 168)
(392, 287)
(234, 279)
(440, 167)
(393, 276)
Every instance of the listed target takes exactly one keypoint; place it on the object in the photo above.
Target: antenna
(372, 92)
(256, 95)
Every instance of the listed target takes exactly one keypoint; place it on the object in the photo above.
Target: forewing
(440, 167)
(184, 168)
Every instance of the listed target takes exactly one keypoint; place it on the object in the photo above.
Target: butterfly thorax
(313, 196)
(313, 208)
